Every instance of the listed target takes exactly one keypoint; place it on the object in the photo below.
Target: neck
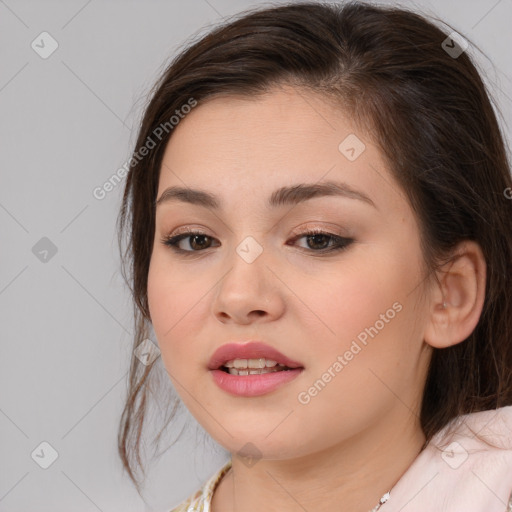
(355, 473)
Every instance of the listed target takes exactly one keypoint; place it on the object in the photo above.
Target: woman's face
(352, 317)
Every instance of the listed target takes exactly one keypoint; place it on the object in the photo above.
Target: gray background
(67, 123)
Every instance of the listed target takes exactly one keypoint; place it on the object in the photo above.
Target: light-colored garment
(456, 472)
(201, 500)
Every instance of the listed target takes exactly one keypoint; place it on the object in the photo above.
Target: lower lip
(253, 385)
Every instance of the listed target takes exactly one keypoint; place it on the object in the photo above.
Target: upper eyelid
(318, 225)
(302, 232)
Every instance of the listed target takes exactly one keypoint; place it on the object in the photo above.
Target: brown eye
(318, 241)
(323, 242)
(196, 241)
(199, 241)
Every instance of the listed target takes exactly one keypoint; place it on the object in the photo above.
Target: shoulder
(200, 500)
(466, 466)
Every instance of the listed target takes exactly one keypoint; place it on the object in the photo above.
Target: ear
(456, 304)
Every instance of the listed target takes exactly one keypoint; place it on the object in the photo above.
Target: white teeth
(235, 371)
(251, 363)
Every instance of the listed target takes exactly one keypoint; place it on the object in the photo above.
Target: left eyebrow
(290, 195)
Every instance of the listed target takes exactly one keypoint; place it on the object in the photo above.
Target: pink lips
(251, 385)
(250, 350)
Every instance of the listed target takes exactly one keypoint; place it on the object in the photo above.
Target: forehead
(233, 145)
(283, 119)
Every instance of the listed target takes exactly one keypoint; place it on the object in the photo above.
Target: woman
(320, 236)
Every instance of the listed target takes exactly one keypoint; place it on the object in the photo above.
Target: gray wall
(67, 124)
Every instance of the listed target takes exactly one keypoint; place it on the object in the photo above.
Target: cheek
(363, 355)
(367, 316)
(352, 300)
(176, 305)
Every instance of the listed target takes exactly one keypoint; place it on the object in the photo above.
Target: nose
(249, 291)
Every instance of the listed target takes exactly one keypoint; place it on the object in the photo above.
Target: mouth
(251, 358)
(251, 378)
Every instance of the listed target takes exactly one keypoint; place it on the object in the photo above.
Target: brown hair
(430, 114)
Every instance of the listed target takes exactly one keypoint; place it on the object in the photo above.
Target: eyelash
(341, 243)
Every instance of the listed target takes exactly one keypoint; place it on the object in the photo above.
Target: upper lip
(248, 350)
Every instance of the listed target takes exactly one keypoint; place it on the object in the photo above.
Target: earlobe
(456, 305)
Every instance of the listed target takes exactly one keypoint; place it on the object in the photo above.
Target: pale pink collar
(457, 472)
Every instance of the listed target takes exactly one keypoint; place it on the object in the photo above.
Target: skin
(353, 440)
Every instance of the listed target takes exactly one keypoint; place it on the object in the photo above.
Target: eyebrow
(290, 195)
